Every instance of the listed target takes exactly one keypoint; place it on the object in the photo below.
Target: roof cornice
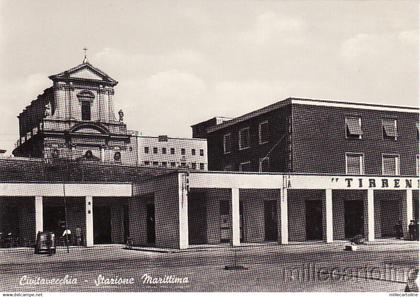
(312, 102)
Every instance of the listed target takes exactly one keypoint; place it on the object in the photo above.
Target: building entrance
(270, 220)
(150, 219)
(390, 215)
(313, 215)
(54, 220)
(197, 218)
(102, 224)
(353, 218)
(126, 222)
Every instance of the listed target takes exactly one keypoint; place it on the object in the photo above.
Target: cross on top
(85, 60)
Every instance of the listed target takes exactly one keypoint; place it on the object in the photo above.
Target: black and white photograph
(209, 146)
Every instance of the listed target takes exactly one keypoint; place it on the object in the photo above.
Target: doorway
(270, 220)
(102, 224)
(197, 218)
(313, 215)
(353, 218)
(9, 221)
(126, 224)
(54, 220)
(150, 219)
(390, 215)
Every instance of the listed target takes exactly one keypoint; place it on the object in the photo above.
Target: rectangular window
(183, 164)
(164, 164)
(173, 164)
(201, 166)
(193, 152)
(390, 164)
(244, 138)
(147, 163)
(354, 127)
(194, 165)
(183, 151)
(264, 164)
(263, 133)
(389, 129)
(245, 166)
(146, 149)
(172, 151)
(85, 111)
(164, 150)
(155, 163)
(417, 165)
(201, 152)
(227, 143)
(155, 150)
(355, 164)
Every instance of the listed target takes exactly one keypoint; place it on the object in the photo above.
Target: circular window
(88, 155)
(117, 156)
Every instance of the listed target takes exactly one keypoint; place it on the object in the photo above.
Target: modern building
(175, 208)
(164, 151)
(75, 119)
(318, 136)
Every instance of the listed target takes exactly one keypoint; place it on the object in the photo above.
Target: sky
(182, 62)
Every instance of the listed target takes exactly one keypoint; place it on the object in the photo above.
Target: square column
(369, 210)
(407, 211)
(183, 212)
(235, 230)
(89, 220)
(102, 154)
(327, 216)
(39, 215)
(283, 222)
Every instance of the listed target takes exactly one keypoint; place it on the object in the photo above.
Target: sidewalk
(119, 251)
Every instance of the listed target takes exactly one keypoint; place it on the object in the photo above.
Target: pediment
(86, 74)
(85, 71)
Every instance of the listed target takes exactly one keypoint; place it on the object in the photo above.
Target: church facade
(75, 119)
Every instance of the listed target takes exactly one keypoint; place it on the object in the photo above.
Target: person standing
(398, 230)
(412, 230)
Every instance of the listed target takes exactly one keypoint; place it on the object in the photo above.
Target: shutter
(354, 127)
(390, 129)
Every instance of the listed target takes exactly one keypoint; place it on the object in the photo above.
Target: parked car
(45, 242)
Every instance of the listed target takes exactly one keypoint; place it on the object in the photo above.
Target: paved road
(313, 267)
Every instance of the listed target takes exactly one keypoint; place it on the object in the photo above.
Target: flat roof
(176, 138)
(313, 102)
